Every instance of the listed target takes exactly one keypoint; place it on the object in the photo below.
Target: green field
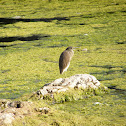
(34, 33)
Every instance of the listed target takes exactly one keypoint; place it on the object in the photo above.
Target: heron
(65, 58)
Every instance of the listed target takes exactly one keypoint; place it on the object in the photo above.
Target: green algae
(30, 47)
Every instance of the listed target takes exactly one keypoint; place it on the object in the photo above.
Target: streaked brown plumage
(65, 58)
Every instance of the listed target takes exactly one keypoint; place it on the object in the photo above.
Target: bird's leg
(65, 75)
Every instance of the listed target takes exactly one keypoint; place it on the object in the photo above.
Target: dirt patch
(11, 110)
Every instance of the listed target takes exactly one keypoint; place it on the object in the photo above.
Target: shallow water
(33, 35)
(33, 41)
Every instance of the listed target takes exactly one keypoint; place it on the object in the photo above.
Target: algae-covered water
(34, 33)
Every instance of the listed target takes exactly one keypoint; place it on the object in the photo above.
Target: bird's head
(69, 48)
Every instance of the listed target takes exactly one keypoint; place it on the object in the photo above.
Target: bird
(65, 58)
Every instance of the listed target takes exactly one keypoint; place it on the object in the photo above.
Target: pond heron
(65, 58)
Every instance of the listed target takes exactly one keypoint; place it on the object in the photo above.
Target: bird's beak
(75, 48)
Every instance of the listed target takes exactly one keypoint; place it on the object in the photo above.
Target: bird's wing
(64, 60)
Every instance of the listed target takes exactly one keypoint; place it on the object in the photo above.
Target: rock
(42, 91)
(6, 118)
(62, 90)
(44, 110)
(85, 34)
(85, 49)
(10, 110)
(4, 103)
(82, 81)
(57, 82)
(97, 103)
(17, 17)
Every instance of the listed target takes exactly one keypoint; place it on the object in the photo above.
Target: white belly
(66, 67)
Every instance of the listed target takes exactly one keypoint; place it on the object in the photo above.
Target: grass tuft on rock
(78, 94)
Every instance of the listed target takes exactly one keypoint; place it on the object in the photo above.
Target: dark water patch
(99, 27)
(55, 46)
(28, 38)
(87, 16)
(103, 79)
(105, 66)
(123, 11)
(51, 46)
(108, 66)
(4, 71)
(118, 90)
(124, 42)
(38, 45)
(8, 39)
(82, 16)
(111, 12)
(4, 21)
(105, 72)
(114, 87)
(82, 24)
(117, 4)
(75, 24)
(123, 71)
(110, 73)
(3, 46)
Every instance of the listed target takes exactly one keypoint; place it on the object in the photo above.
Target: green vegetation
(30, 47)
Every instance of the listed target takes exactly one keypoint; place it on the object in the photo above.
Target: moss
(78, 94)
(31, 45)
